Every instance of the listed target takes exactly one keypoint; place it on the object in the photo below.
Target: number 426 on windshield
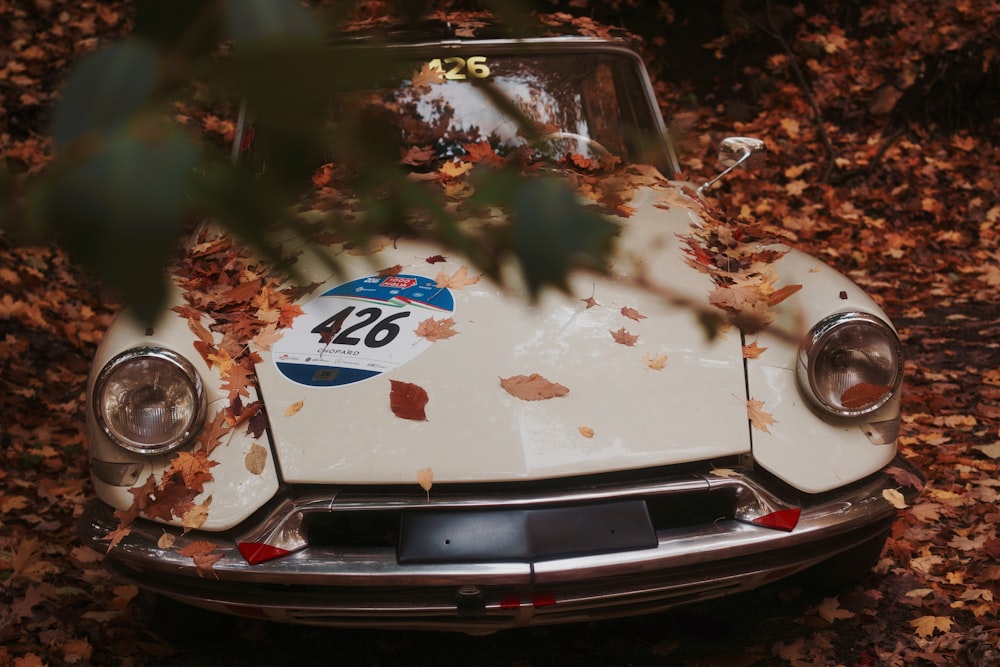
(456, 68)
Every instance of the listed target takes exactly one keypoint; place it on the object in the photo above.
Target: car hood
(410, 366)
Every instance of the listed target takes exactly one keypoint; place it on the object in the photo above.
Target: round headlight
(851, 364)
(149, 400)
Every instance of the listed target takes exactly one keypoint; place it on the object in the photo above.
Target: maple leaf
(435, 330)
(926, 626)
(632, 313)
(242, 293)
(426, 77)
(267, 337)
(590, 300)
(752, 351)
(194, 468)
(758, 418)
(204, 556)
(435, 259)
(532, 387)
(623, 337)
(481, 151)
(457, 280)
(454, 169)
(408, 400)
(287, 314)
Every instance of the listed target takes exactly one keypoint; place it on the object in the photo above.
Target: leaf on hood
(435, 330)
(425, 478)
(457, 280)
(436, 259)
(759, 419)
(532, 387)
(590, 300)
(294, 408)
(657, 362)
(211, 436)
(408, 400)
(623, 337)
(256, 459)
(267, 337)
(752, 351)
(390, 271)
(776, 297)
(194, 467)
(586, 431)
(196, 516)
(632, 313)
(238, 381)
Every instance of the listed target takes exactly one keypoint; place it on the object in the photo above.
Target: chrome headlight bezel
(850, 364)
(173, 406)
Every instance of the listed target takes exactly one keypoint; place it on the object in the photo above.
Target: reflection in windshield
(590, 105)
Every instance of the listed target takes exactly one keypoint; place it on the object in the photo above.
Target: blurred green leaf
(105, 90)
(120, 211)
(269, 20)
(549, 231)
(187, 27)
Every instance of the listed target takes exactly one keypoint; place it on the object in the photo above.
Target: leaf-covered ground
(884, 141)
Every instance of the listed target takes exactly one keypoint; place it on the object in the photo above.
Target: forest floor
(906, 204)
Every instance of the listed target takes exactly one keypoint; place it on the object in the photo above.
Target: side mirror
(735, 152)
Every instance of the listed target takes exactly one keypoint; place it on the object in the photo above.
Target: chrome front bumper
(369, 586)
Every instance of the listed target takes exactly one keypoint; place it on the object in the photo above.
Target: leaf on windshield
(408, 400)
(532, 387)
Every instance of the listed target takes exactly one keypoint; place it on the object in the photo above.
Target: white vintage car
(410, 445)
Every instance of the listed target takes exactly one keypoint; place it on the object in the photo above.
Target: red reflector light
(542, 600)
(510, 602)
(255, 552)
(781, 520)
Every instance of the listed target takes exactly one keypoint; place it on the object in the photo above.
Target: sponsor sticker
(360, 329)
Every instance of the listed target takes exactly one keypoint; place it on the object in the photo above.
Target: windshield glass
(592, 105)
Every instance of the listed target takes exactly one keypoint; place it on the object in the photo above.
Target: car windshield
(588, 104)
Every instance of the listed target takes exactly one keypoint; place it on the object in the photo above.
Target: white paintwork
(809, 453)
(691, 410)
(235, 492)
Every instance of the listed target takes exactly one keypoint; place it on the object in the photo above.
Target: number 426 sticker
(360, 329)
